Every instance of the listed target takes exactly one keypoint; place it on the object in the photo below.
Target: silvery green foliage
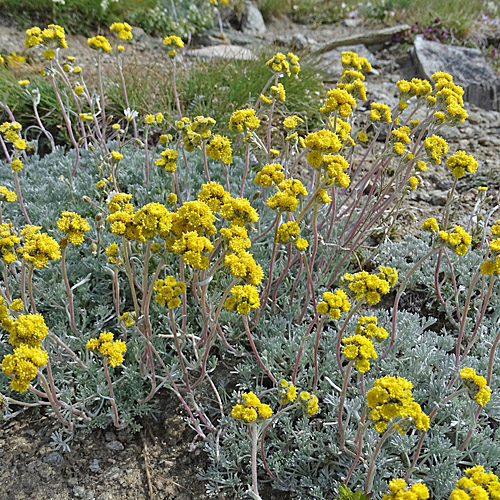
(304, 455)
(47, 191)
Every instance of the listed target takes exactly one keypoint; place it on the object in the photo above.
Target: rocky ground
(156, 463)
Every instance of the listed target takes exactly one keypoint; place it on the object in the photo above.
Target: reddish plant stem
(255, 352)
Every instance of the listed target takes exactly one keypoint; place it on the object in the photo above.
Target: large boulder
(252, 22)
(468, 67)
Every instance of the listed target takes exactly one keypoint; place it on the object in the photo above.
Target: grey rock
(437, 197)
(115, 446)
(94, 465)
(72, 481)
(475, 117)
(330, 62)
(53, 458)
(352, 22)
(231, 36)
(110, 436)
(252, 22)
(79, 491)
(223, 52)
(299, 41)
(468, 67)
(491, 140)
(450, 133)
(373, 37)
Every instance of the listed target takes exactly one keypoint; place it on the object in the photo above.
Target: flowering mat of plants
(243, 301)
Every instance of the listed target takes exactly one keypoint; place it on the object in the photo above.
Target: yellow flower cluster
(380, 110)
(99, 42)
(290, 231)
(11, 132)
(352, 81)
(74, 226)
(168, 160)
(124, 30)
(278, 92)
(112, 251)
(195, 131)
(25, 334)
(476, 386)
(53, 36)
(168, 291)
(334, 170)
(399, 490)
(476, 484)
(367, 326)
(309, 403)
(191, 245)
(288, 64)
(391, 397)
(352, 60)
(290, 122)
(490, 267)
(460, 162)
(27, 329)
(288, 392)
(38, 248)
(219, 148)
(244, 298)
(128, 318)
(459, 239)
(436, 147)
(334, 303)
(288, 193)
(321, 142)
(430, 224)
(338, 99)
(448, 98)
(8, 239)
(112, 350)
(151, 219)
(242, 265)
(23, 365)
(251, 409)
(371, 287)
(237, 236)
(359, 348)
(271, 173)
(173, 43)
(244, 120)
(152, 119)
(214, 196)
(239, 211)
(416, 87)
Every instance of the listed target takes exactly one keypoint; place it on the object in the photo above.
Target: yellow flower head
(112, 350)
(391, 397)
(476, 386)
(38, 248)
(173, 43)
(334, 304)
(243, 299)
(99, 43)
(460, 162)
(74, 226)
(124, 30)
(252, 409)
(399, 490)
(7, 195)
(168, 291)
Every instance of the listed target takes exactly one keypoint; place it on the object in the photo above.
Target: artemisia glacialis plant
(164, 249)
